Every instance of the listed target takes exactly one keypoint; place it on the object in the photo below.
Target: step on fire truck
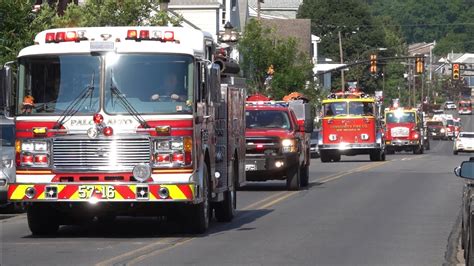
(126, 121)
(351, 125)
(404, 130)
(278, 144)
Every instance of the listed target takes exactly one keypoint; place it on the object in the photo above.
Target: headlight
(33, 153)
(7, 163)
(288, 145)
(442, 130)
(172, 152)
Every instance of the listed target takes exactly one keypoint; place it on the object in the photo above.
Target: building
(280, 9)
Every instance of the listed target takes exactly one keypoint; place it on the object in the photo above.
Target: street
(356, 212)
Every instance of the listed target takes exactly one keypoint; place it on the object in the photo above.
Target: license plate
(250, 167)
(96, 191)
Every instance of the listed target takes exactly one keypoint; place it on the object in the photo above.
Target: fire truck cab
(126, 121)
(277, 142)
(351, 125)
(404, 130)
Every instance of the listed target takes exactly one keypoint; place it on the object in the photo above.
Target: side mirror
(6, 87)
(466, 170)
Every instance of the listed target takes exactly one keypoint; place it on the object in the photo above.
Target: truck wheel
(225, 210)
(304, 176)
(390, 151)
(376, 155)
(455, 152)
(336, 158)
(325, 158)
(293, 181)
(42, 220)
(200, 214)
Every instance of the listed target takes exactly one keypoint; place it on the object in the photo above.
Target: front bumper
(268, 167)
(349, 146)
(102, 192)
(401, 142)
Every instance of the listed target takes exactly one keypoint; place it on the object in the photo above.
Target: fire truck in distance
(404, 130)
(277, 141)
(464, 107)
(351, 125)
(126, 121)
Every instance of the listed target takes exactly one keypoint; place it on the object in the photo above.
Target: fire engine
(351, 125)
(277, 141)
(126, 121)
(404, 130)
(465, 107)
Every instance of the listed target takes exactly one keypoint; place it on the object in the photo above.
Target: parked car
(449, 105)
(7, 153)
(466, 170)
(314, 150)
(464, 142)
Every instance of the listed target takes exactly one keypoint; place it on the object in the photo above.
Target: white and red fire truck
(126, 120)
(351, 125)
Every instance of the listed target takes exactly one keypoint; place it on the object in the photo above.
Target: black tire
(225, 210)
(376, 155)
(336, 158)
(304, 176)
(325, 158)
(200, 214)
(42, 220)
(455, 152)
(383, 157)
(293, 180)
(390, 151)
(417, 150)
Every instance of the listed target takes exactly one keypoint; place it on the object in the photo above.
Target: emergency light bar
(267, 103)
(156, 35)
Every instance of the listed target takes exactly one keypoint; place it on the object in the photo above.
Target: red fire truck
(277, 141)
(126, 121)
(351, 126)
(404, 130)
(465, 107)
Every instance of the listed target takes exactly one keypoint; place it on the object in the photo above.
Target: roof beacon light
(131, 35)
(156, 35)
(108, 131)
(144, 35)
(50, 37)
(71, 36)
(168, 36)
(60, 36)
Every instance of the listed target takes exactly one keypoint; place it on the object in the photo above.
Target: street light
(228, 35)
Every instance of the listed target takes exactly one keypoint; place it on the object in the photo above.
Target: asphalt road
(403, 211)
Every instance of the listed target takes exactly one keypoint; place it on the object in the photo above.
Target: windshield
(434, 124)
(361, 108)
(49, 84)
(150, 83)
(400, 117)
(8, 135)
(465, 104)
(336, 108)
(267, 119)
(450, 122)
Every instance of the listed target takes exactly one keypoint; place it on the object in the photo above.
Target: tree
(260, 49)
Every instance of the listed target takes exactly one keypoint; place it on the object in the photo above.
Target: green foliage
(260, 49)
(20, 24)
(15, 18)
(450, 23)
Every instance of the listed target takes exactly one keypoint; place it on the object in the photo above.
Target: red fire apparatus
(277, 141)
(404, 130)
(465, 107)
(126, 120)
(351, 126)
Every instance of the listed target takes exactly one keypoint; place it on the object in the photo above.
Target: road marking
(139, 250)
(156, 252)
(261, 204)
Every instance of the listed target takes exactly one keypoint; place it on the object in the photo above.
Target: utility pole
(258, 9)
(342, 62)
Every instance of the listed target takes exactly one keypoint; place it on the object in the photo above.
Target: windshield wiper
(126, 104)
(74, 106)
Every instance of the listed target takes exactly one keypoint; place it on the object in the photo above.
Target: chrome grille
(104, 154)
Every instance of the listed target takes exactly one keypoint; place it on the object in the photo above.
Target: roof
(277, 4)
(193, 2)
(300, 29)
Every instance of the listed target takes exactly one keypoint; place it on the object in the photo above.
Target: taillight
(172, 152)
